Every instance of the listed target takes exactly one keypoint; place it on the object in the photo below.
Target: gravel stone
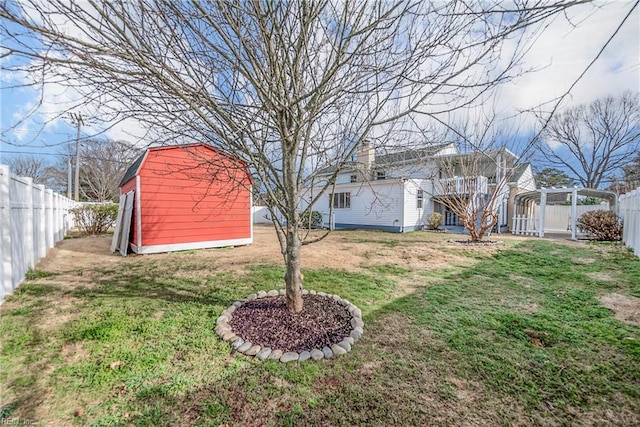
(345, 344)
(222, 319)
(237, 304)
(282, 292)
(276, 354)
(264, 353)
(355, 335)
(236, 343)
(350, 340)
(253, 350)
(272, 293)
(231, 309)
(317, 354)
(228, 336)
(221, 329)
(244, 347)
(251, 297)
(261, 294)
(305, 292)
(356, 321)
(312, 292)
(304, 355)
(328, 354)
(337, 350)
(289, 356)
(355, 311)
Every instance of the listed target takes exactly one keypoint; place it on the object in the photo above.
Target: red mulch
(267, 322)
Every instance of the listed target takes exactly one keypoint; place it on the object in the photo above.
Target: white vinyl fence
(557, 218)
(630, 213)
(32, 220)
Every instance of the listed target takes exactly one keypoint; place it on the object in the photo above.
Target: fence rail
(630, 213)
(32, 220)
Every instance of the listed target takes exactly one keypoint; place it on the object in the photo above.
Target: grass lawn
(515, 335)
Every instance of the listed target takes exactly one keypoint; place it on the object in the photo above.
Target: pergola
(523, 203)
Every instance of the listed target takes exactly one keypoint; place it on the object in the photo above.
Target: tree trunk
(293, 278)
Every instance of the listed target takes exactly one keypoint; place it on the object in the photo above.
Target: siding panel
(192, 194)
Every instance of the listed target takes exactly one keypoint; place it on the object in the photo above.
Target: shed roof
(133, 169)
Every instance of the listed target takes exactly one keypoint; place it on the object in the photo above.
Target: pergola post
(574, 213)
(543, 208)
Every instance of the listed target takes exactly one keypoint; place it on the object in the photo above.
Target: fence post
(57, 218)
(41, 220)
(6, 271)
(48, 202)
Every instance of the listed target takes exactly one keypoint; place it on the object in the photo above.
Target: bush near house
(601, 225)
(311, 219)
(95, 219)
(433, 221)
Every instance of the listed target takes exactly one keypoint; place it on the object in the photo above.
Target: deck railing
(460, 185)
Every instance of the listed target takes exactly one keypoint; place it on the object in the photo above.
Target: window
(342, 200)
(354, 178)
(420, 199)
(381, 175)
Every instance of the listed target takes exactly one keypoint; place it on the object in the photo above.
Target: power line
(64, 155)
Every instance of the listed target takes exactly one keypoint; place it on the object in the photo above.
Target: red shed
(186, 197)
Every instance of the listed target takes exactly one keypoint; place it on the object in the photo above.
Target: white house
(397, 191)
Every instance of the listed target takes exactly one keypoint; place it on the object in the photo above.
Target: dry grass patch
(625, 308)
(601, 277)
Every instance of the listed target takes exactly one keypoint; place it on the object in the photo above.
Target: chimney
(365, 156)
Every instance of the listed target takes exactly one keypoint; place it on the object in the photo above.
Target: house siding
(414, 217)
(391, 203)
(376, 205)
(526, 181)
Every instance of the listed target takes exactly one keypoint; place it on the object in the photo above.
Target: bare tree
(593, 142)
(475, 184)
(287, 86)
(103, 164)
(630, 179)
(30, 166)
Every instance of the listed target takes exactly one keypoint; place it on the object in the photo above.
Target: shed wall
(193, 195)
(190, 197)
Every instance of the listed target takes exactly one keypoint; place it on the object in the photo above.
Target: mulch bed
(267, 322)
(478, 243)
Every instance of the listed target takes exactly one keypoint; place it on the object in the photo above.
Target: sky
(561, 53)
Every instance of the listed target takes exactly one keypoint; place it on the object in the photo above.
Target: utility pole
(69, 177)
(77, 118)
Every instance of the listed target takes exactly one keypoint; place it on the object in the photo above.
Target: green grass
(516, 337)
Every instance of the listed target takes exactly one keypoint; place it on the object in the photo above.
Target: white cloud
(564, 52)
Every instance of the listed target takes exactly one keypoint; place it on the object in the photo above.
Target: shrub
(601, 225)
(433, 221)
(95, 219)
(316, 219)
